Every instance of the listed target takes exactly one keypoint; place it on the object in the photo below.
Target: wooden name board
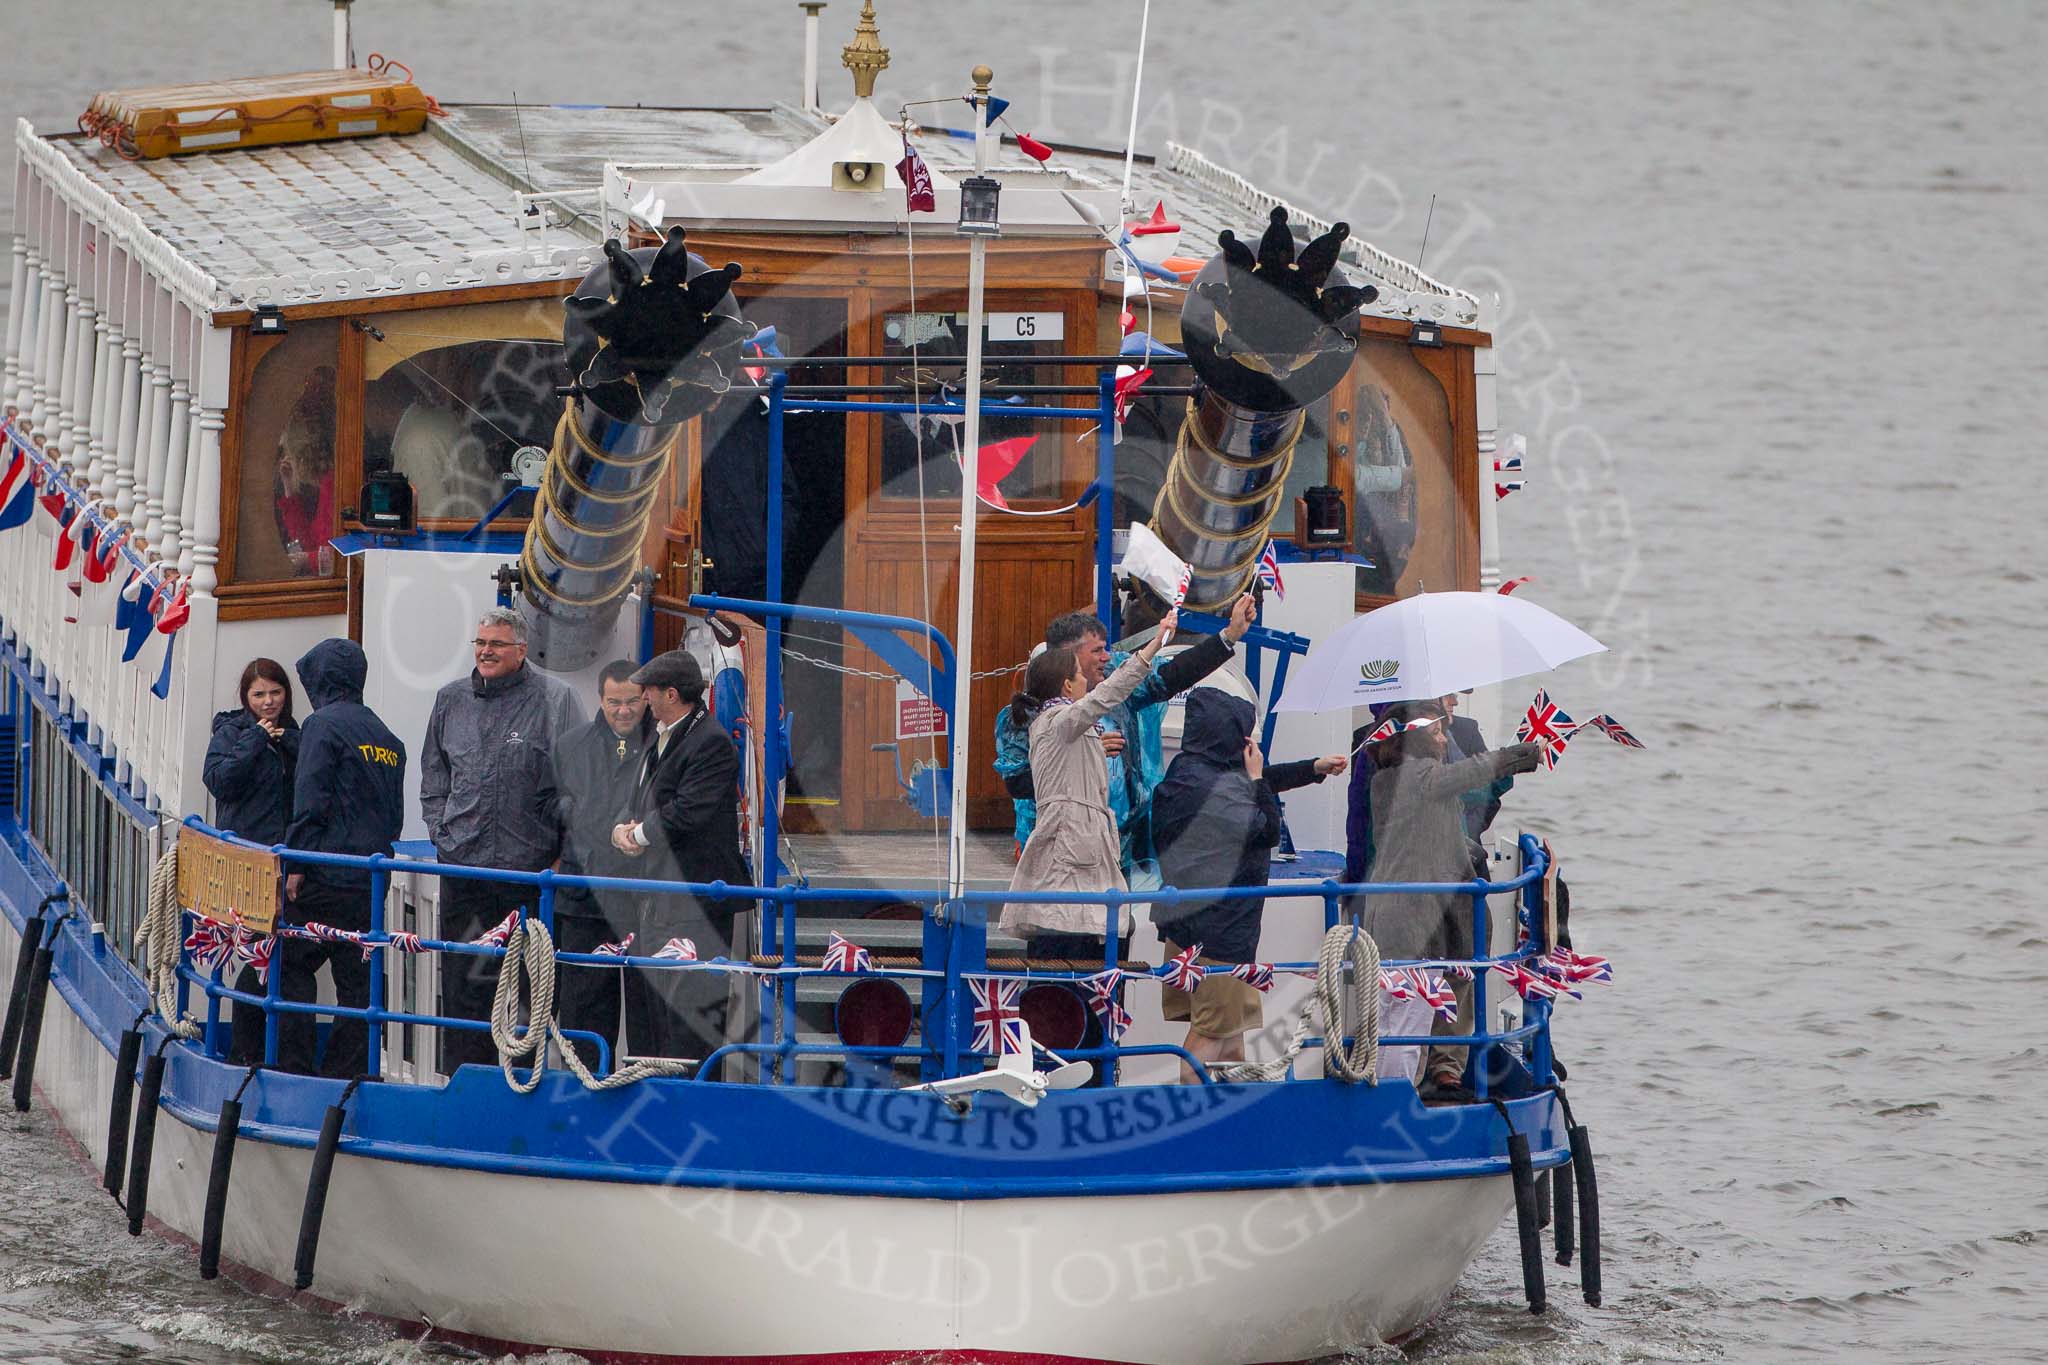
(215, 877)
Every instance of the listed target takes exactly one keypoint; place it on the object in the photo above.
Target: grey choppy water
(1769, 332)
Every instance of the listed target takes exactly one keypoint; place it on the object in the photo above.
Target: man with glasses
(485, 778)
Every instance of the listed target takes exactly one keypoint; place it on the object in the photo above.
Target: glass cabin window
(286, 507)
(1013, 336)
(1404, 489)
(460, 400)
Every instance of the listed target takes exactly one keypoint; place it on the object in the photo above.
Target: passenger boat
(233, 305)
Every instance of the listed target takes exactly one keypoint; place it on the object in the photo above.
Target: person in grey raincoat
(1418, 835)
(484, 778)
(1074, 845)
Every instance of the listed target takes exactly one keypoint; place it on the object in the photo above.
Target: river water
(1767, 330)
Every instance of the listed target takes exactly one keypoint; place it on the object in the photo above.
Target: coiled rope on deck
(1346, 943)
(527, 976)
(159, 938)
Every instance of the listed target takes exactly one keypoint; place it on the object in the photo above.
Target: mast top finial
(865, 56)
(982, 78)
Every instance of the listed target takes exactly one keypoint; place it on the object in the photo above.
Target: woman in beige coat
(1074, 845)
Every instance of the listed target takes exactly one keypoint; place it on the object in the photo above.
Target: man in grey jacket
(484, 770)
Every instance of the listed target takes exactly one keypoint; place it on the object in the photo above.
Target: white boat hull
(608, 1268)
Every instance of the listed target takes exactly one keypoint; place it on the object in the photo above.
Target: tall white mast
(970, 466)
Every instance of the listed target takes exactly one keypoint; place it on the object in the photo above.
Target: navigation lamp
(1427, 334)
(1319, 520)
(269, 321)
(1057, 1015)
(874, 1012)
(386, 502)
(978, 196)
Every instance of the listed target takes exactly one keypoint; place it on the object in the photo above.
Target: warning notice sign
(917, 716)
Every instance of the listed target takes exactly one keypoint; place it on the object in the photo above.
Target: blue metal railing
(947, 1051)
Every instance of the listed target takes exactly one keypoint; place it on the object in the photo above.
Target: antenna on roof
(519, 122)
(1427, 220)
(1137, 84)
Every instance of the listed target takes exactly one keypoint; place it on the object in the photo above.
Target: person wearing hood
(250, 763)
(348, 796)
(484, 770)
(596, 768)
(1216, 816)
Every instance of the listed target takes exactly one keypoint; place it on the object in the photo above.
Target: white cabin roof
(444, 209)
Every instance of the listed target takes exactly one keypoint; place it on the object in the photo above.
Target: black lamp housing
(1319, 521)
(386, 503)
(979, 195)
(269, 321)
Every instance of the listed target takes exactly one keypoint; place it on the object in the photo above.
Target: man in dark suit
(596, 771)
(684, 826)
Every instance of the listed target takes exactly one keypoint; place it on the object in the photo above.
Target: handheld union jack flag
(1257, 975)
(1180, 589)
(1613, 729)
(677, 950)
(1182, 972)
(1269, 571)
(623, 948)
(842, 954)
(1545, 725)
(997, 1025)
(1507, 589)
(1102, 999)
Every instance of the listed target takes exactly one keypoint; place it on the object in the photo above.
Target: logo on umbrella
(1378, 671)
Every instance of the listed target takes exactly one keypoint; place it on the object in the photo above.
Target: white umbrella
(1429, 645)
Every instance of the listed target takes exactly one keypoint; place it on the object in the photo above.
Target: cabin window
(464, 402)
(1013, 336)
(1404, 511)
(286, 508)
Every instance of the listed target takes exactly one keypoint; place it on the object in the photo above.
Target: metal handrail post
(380, 888)
(785, 992)
(1483, 1062)
(771, 823)
(1535, 1009)
(273, 995)
(1105, 501)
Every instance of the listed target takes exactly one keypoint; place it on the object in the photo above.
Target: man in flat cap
(684, 826)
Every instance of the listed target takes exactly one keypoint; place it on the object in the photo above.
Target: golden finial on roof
(865, 56)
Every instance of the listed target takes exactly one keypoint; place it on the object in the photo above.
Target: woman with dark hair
(1074, 845)
(253, 756)
(250, 766)
(1418, 835)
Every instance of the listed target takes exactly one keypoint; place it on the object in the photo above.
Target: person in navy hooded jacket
(348, 797)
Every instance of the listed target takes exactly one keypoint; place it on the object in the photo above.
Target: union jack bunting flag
(1613, 729)
(1182, 972)
(623, 948)
(1501, 490)
(1546, 725)
(1269, 571)
(1257, 975)
(842, 954)
(210, 944)
(1575, 967)
(678, 950)
(1507, 589)
(996, 1021)
(1128, 382)
(1413, 983)
(1533, 985)
(1102, 999)
(404, 942)
(497, 937)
